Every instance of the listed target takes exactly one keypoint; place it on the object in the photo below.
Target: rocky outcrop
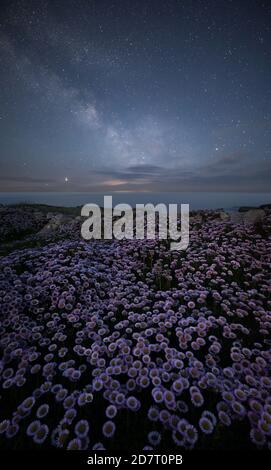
(55, 221)
(249, 217)
(224, 215)
(254, 216)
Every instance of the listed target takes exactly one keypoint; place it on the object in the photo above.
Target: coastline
(196, 200)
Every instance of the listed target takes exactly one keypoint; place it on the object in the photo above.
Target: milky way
(135, 95)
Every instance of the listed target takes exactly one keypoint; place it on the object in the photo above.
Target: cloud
(149, 178)
(26, 179)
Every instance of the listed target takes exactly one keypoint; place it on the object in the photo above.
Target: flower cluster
(112, 344)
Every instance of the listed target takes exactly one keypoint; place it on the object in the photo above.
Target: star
(108, 89)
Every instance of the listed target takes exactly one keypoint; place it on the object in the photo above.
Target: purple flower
(41, 434)
(133, 403)
(75, 444)
(153, 413)
(62, 438)
(4, 426)
(257, 436)
(224, 418)
(191, 434)
(82, 428)
(109, 428)
(12, 430)
(206, 425)
(154, 438)
(111, 411)
(28, 404)
(42, 411)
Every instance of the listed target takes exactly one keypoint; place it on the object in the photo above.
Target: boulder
(38, 215)
(246, 208)
(254, 216)
(224, 215)
(237, 217)
(55, 221)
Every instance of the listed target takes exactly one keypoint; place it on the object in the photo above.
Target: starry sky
(135, 95)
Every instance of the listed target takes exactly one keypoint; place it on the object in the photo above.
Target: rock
(224, 215)
(254, 216)
(246, 208)
(46, 229)
(55, 221)
(38, 215)
(237, 217)
(265, 206)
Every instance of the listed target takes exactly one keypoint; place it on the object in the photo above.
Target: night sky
(138, 95)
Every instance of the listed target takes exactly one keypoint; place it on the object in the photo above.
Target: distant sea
(196, 200)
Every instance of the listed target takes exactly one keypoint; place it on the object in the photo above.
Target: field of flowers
(126, 344)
